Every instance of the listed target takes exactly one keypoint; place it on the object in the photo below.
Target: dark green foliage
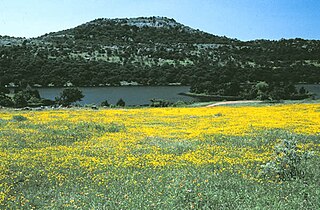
(47, 102)
(25, 97)
(302, 91)
(19, 118)
(115, 128)
(160, 103)
(121, 102)
(283, 91)
(272, 91)
(20, 99)
(5, 100)
(4, 90)
(105, 103)
(107, 51)
(262, 89)
(232, 89)
(179, 104)
(69, 96)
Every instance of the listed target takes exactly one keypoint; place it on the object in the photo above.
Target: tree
(5, 100)
(262, 90)
(121, 102)
(69, 96)
(26, 97)
(232, 89)
(4, 90)
(302, 91)
(105, 103)
(20, 99)
(29, 93)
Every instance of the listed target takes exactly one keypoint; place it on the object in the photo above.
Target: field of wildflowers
(156, 158)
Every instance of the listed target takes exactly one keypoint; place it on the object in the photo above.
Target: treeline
(105, 52)
(30, 97)
(19, 67)
(23, 98)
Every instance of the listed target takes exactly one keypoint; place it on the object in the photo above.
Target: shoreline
(203, 97)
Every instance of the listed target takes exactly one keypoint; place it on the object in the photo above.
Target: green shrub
(114, 128)
(121, 103)
(105, 103)
(160, 103)
(218, 115)
(3, 122)
(288, 163)
(179, 104)
(19, 118)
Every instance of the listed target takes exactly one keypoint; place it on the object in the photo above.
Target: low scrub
(19, 118)
(289, 162)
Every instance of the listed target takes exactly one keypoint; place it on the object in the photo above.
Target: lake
(132, 95)
(141, 95)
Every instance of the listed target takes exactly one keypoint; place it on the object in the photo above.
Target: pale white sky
(241, 19)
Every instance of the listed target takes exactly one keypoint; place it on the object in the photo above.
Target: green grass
(68, 186)
(186, 188)
(161, 187)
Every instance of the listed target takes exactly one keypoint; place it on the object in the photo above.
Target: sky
(240, 19)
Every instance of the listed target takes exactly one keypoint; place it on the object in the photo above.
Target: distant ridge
(157, 22)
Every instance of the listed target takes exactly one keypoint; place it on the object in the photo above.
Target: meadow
(246, 157)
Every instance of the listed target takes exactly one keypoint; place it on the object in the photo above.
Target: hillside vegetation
(155, 51)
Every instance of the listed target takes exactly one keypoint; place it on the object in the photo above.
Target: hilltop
(154, 51)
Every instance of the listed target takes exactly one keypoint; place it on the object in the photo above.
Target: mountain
(154, 51)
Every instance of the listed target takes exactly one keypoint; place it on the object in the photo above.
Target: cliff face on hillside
(153, 51)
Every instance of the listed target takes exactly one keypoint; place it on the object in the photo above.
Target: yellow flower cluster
(90, 140)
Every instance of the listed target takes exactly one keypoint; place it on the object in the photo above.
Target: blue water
(132, 95)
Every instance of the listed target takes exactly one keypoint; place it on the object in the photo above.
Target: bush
(288, 162)
(105, 103)
(179, 104)
(115, 128)
(160, 103)
(121, 102)
(19, 118)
